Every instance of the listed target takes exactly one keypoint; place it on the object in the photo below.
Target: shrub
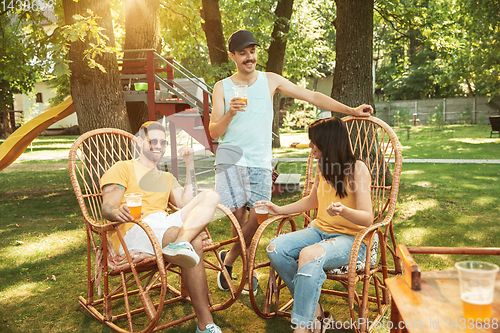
(436, 117)
(466, 115)
(300, 115)
(401, 117)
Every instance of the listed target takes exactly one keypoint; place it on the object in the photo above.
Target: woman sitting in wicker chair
(341, 193)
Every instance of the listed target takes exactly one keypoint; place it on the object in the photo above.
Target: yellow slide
(18, 141)
(300, 145)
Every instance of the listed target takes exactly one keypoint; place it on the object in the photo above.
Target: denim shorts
(240, 186)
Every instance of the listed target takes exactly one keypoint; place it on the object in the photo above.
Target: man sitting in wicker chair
(178, 233)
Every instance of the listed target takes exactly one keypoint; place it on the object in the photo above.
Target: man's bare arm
(192, 181)
(181, 197)
(112, 195)
(278, 84)
(219, 121)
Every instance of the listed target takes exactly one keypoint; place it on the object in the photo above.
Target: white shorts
(138, 241)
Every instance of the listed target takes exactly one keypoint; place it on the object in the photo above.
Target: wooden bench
(412, 274)
(289, 182)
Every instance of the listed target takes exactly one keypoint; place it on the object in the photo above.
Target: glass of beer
(134, 203)
(241, 92)
(261, 211)
(477, 286)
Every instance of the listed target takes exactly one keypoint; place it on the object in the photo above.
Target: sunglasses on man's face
(154, 142)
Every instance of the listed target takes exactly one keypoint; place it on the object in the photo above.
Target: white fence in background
(455, 110)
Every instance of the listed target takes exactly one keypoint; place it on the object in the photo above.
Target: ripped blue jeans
(305, 283)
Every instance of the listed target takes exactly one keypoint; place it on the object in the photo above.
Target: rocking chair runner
(377, 145)
(135, 287)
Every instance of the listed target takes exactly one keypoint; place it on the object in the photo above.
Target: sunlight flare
(484, 201)
(21, 290)
(412, 172)
(414, 236)
(412, 207)
(44, 247)
(476, 141)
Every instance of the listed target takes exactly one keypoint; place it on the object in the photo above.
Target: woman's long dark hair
(337, 161)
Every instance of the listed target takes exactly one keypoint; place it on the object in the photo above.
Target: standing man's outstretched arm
(278, 84)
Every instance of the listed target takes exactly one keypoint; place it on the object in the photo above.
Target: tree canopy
(437, 49)
(24, 45)
(421, 48)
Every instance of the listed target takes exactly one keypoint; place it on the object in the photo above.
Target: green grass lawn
(43, 236)
(451, 142)
(57, 146)
(42, 233)
(448, 205)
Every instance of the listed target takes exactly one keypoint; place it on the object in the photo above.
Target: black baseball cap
(240, 39)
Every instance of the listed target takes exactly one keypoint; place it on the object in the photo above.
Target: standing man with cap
(244, 129)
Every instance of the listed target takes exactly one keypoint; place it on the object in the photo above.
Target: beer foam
(471, 297)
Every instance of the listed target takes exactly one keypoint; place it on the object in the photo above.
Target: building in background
(27, 107)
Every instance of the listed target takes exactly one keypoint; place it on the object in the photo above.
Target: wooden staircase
(185, 100)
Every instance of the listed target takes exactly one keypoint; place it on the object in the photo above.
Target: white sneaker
(211, 328)
(181, 254)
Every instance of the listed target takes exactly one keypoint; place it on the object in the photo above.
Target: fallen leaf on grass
(19, 243)
(52, 277)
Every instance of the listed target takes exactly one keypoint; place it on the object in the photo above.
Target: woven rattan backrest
(90, 157)
(376, 144)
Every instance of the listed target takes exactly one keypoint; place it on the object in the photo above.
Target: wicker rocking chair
(135, 287)
(378, 146)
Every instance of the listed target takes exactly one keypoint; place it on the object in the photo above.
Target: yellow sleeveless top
(334, 224)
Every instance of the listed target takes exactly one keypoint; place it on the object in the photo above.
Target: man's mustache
(249, 62)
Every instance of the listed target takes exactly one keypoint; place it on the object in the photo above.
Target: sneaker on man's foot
(221, 281)
(223, 255)
(210, 328)
(255, 283)
(181, 253)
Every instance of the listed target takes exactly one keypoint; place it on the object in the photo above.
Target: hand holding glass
(262, 213)
(134, 203)
(477, 286)
(241, 93)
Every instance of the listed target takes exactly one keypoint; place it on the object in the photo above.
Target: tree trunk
(214, 34)
(412, 50)
(276, 56)
(352, 80)
(5, 126)
(142, 31)
(98, 96)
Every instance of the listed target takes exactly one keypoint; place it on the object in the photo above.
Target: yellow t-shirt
(334, 224)
(155, 186)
